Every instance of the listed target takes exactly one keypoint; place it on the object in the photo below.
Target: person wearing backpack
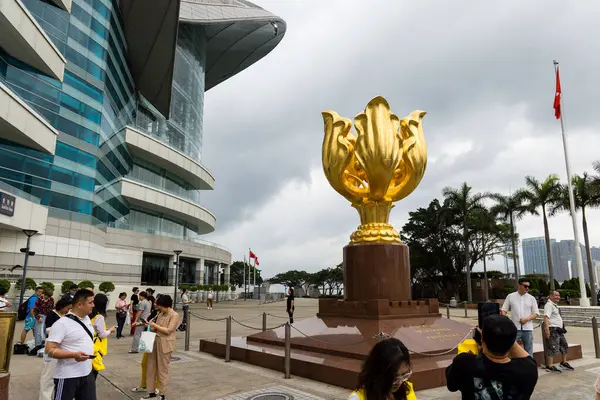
(503, 370)
(30, 316)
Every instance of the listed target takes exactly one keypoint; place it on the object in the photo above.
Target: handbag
(147, 341)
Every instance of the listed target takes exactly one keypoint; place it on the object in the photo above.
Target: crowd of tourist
(72, 338)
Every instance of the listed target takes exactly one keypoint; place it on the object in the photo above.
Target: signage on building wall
(7, 204)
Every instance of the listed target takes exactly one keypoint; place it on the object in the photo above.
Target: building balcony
(64, 4)
(145, 196)
(146, 147)
(21, 124)
(23, 38)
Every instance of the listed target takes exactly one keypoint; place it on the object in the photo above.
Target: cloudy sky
(482, 70)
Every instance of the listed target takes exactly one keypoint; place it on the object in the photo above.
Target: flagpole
(245, 295)
(584, 301)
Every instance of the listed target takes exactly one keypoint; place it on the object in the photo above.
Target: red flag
(252, 255)
(256, 261)
(557, 96)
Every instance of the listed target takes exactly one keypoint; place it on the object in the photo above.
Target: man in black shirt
(290, 305)
(133, 308)
(503, 372)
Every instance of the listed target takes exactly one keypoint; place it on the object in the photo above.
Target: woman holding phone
(159, 360)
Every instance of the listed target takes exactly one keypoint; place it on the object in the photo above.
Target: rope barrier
(116, 387)
(256, 329)
(207, 319)
(444, 352)
(324, 342)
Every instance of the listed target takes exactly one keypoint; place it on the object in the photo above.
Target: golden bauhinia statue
(382, 164)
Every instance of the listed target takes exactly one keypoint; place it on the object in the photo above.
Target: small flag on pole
(256, 261)
(557, 96)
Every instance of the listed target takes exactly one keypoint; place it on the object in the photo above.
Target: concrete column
(200, 271)
(216, 274)
(171, 270)
(227, 274)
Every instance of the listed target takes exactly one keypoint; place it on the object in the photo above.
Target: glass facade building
(120, 182)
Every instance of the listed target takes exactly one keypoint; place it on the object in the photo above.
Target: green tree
(511, 208)
(435, 240)
(66, 287)
(236, 274)
(5, 284)
(543, 196)
(586, 195)
(29, 284)
(320, 278)
(86, 285)
(492, 238)
(106, 287)
(290, 279)
(463, 203)
(48, 286)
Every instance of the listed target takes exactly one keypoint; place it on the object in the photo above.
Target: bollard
(545, 343)
(596, 339)
(466, 313)
(228, 340)
(448, 311)
(288, 351)
(186, 316)
(264, 327)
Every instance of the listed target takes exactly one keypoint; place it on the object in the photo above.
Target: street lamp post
(177, 253)
(29, 233)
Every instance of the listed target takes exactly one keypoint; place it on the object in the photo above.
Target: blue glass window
(76, 155)
(76, 83)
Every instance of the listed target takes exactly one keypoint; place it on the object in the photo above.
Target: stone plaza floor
(199, 376)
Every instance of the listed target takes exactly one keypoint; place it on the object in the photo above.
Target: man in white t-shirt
(71, 343)
(523, 309)
(555, 334)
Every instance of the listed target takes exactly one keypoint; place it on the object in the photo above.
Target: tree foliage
(236, 274)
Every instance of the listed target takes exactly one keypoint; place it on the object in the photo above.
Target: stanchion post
(186, 316)
(288, 351)
(448, 311)
(228, 339)
(264, 327)
(545, 343)
(596, 339)
(466, 313)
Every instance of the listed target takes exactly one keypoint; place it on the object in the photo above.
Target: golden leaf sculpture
(382, 164)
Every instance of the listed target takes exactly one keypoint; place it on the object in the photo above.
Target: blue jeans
(39, 330)
(527, 338)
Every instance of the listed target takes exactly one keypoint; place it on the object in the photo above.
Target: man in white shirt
(71, 343)
(523, 310)
(555, 334)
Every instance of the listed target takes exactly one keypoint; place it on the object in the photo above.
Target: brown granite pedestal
(4, 383)
(331, 346)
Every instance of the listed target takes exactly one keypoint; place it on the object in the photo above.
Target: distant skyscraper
(535, 258)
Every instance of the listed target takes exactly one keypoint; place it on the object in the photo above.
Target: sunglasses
(526, 286)
(404, 377)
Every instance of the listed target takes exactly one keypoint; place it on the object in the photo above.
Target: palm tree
(511, 209)
(462, 203)
(485, 224)
(543, 195)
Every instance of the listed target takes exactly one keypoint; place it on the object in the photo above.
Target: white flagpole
(244, 277)
(584, 301)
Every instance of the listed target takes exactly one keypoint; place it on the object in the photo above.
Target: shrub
(106, 287)
(184, 286)
(66, 287)
(233, 288)
(48, 286)
(193, 288)
(572, 293)
(86, 285)
(5, 284)
(29, 284)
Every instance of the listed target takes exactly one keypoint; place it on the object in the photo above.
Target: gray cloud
(482, 70)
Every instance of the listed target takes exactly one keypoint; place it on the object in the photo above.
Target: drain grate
(271, 396)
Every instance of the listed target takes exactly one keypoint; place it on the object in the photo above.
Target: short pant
(557, 343)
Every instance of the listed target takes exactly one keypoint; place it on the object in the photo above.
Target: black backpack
(22, 312)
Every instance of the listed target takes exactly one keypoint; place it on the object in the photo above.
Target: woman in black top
(133, 308)
(60, 309)
(290, 305)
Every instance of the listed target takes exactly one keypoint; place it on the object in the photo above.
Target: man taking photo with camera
(554, 332)
(504, 371)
